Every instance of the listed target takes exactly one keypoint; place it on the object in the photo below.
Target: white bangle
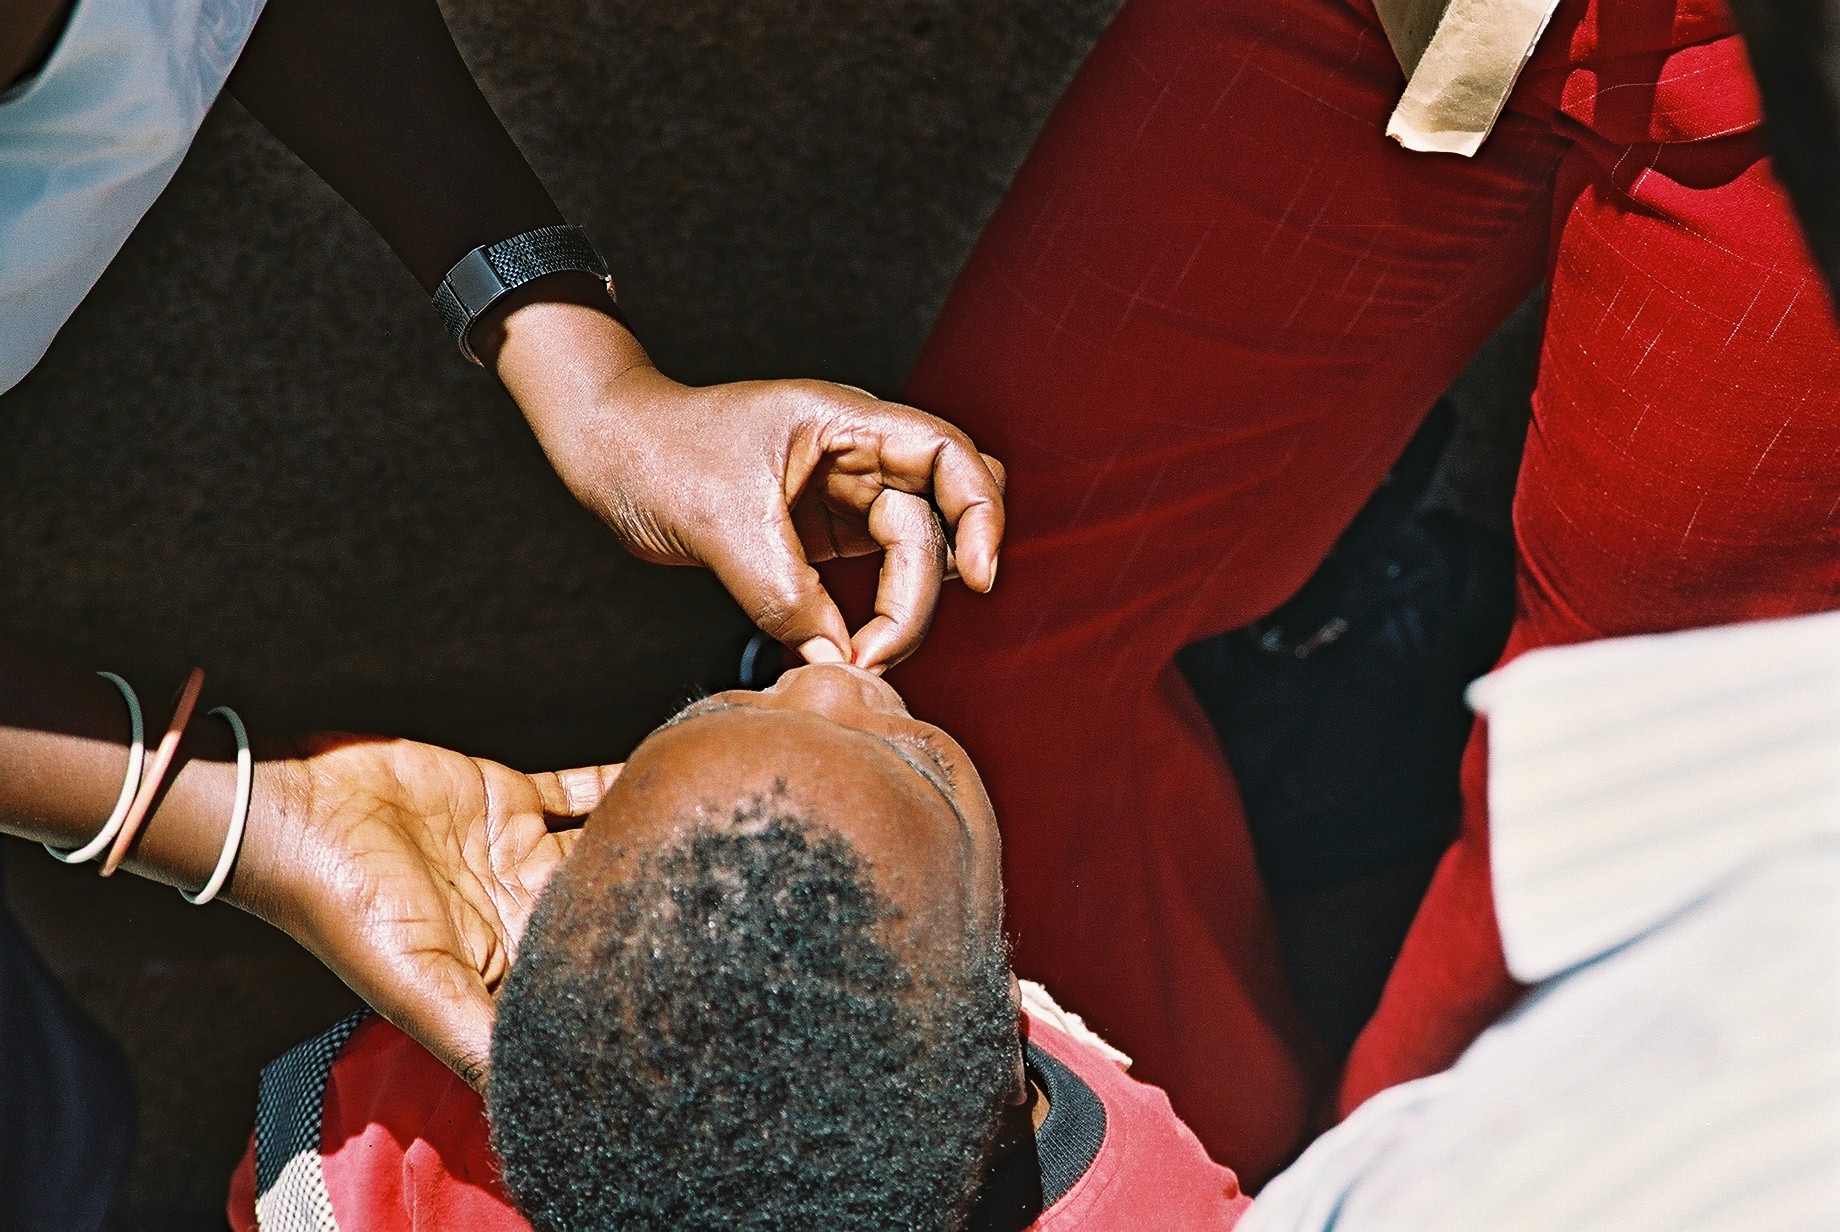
(137, 757)
(239, 812)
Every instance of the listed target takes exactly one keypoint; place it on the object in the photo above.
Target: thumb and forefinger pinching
(770, 577)
(929, 473)
(903, 471)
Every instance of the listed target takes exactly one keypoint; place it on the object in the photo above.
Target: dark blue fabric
(66, 1101)
(1342, 713)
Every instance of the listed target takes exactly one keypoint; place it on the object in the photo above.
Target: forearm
(64, 753)
(756, 480)
(374, 97)
(408, 869)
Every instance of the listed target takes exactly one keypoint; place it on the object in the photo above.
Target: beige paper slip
(1461, 58)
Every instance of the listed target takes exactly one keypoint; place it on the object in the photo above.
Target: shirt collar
(1628, 777)
(1026, 1185)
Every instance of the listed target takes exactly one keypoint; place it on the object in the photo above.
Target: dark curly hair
(727, 1041)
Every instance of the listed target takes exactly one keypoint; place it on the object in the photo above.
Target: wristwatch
(485, 275)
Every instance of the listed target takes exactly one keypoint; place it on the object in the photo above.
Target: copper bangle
(156, 773)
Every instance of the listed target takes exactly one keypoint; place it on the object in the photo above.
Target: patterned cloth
(290, 1183)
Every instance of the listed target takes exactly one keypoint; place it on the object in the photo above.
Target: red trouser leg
(1683, 469)
(1202, 325)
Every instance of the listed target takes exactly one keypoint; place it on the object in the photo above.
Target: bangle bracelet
(137, 757)
(488, 273)
(162, 762)
(239, 812)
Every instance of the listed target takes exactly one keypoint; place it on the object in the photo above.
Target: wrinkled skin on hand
(411, 871)
(757, 480)
(760, 480)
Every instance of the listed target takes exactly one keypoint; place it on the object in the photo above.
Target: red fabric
(405, 1149)
(241, 1207)
(404, 1145)
(1199, 329)
(1151, 1171)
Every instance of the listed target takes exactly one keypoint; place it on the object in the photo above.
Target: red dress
(400, 1144)
(1202, 325)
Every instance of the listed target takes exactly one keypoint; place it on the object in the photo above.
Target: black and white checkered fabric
(290, 1183)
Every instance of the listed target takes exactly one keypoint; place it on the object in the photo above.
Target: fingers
(771, 579)
(970, 492)
(840, 452)
(920, 452)
(998, 471)
(913, 569)
(816, 528)
(574, 793)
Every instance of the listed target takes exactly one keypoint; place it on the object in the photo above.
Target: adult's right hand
(758, 480)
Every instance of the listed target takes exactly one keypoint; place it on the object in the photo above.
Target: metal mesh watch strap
(484, 275)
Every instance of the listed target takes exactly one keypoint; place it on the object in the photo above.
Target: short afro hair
(727, 1041)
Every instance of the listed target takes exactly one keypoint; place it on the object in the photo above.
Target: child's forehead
(698, 773)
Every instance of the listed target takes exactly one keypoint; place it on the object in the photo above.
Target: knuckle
(998, 471)
(810, 389)
(778, 612)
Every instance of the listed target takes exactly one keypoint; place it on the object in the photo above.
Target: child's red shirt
(362, 1130)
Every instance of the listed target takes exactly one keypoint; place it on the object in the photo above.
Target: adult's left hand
(758, 480)
(411, 871)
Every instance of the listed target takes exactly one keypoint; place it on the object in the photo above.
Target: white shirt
(89, 143)
(1665, 832)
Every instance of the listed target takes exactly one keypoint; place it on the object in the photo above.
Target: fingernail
(864, 654)
(822, 650)
(992, 584)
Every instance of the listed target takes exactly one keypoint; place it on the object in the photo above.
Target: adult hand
(411, 871)
(758, 480)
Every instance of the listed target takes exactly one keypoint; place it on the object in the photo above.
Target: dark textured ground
(254, 449)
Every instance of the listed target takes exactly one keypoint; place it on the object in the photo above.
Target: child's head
(769, 989)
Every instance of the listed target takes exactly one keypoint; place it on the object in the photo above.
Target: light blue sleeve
(89, 143)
